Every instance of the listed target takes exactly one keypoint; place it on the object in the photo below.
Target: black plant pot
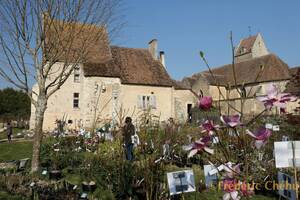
(93, 186)
(55, 175)
(85, 187)
(89, 187)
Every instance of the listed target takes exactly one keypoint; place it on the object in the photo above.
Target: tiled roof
(69, 41)
(64, 42)
(294, 84)
(246, 44)
(270, 67)
(132, 66)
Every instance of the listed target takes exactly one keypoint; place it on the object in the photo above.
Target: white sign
(269, 126)
(215, 140)
(209, 179)
(276, 128)
(284, 154)
(181, 182)
(216, 170)
(44, 172)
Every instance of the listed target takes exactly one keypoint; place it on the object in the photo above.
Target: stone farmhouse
(116, 81)
(255, 68)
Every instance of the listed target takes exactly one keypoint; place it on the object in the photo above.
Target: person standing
(9, 131)
(128, 132)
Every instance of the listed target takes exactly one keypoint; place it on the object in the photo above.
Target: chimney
(162, 58)
(153, 48)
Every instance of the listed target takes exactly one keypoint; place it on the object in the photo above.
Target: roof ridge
(251, 36)
(130, 48)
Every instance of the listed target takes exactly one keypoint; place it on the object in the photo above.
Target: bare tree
(44, 40)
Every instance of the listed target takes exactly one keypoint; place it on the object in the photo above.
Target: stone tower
(249, 48)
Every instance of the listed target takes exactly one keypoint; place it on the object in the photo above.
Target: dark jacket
(128, 131)
(9, 130)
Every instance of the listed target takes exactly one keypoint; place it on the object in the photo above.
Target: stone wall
(103, 100)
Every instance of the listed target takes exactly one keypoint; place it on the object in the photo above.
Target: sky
(184, 27)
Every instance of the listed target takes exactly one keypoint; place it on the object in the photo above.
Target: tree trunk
(38, 132)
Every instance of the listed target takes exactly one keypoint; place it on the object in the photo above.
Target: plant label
(276, 128)
(181, 182)
(288, 192)
(284, 154)
(269, 126)
(209, 179)
(44, 172)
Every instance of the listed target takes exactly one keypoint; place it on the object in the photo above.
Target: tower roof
(246, 45)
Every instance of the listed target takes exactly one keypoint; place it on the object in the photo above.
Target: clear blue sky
(184, 27)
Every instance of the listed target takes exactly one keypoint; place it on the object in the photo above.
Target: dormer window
(243, 50)
(76, 74)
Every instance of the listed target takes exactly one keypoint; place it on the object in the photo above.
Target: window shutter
(153, 101)
(140, 102)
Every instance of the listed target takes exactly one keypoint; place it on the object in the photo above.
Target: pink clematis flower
(261, 136)
(275, 98)
(209, 127)
(231, 121)
(229, 186)
(205, 103)
(199, 145)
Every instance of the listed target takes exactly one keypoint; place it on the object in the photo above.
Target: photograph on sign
(209, 179)
(288, 190)
(181, 182)
(284, 154)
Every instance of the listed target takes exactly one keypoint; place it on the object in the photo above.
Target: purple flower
(261, 136)
(231, 121)
(205, 103)
(230, 184)
(199, 145)
(209, 127)
(275, 98)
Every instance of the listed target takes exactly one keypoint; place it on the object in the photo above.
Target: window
(77, 74)
(243, 50)
(76, 100)
(146, 102)
(259, 91)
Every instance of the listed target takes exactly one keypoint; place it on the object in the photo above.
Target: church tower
(249, 48)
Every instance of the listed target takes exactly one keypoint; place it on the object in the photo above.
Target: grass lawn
(6, 196)
(15, 150)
